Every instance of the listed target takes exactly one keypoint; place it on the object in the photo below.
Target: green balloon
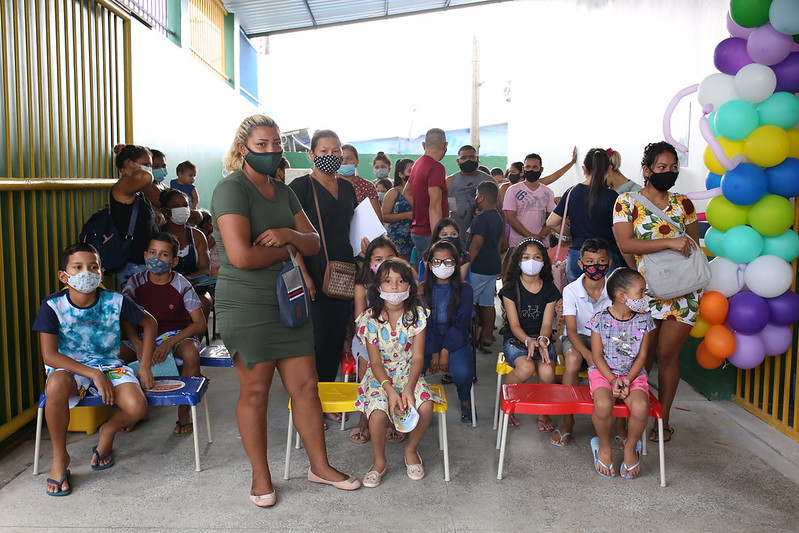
(750, 13)
(714, 241)
(780, 109)
(711, 120)
(742, 244)
(785, 246)
(723, 214)
(736, 119)
(771, 215)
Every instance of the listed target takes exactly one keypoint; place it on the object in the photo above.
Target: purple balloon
(784, 308)
(749, 351)
(767, 46)
(748, 314)
(776, 339)
(730, 56)
(787, 72)
(736, 30)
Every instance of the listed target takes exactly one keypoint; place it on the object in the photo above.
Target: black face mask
(264, 162)
(468, 167)
(514, 178)
(532, 175)
(663, 181)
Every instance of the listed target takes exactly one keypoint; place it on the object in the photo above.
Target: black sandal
(667, 433)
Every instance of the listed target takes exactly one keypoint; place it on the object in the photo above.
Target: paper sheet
(364, 223)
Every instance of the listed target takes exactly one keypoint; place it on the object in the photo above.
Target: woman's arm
(376, 207)
(629, 244)
(304, 238)
(552, 178)
(203, 257)
(554, 222)
(125, 189)
(235, 231)
(388, 206)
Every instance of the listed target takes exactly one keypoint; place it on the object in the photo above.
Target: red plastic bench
(553, 399)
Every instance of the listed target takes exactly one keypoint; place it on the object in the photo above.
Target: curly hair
(653, 150)
(514, 271)
(411, 304)
(233, 160)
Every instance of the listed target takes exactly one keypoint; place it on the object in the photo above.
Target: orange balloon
(720, 341)
(713, 307)
(706, 359)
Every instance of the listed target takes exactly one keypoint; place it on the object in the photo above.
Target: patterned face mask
(85, 282)
(395, 298)
(595, 272)
(329, 163)
(641, 305)
(157, 265)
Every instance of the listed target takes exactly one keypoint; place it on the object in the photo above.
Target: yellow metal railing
(66, 94)
(770, 390)
(207, 28)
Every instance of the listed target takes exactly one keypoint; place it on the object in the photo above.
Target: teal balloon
(711, 120)
(780, 109)
(714, 241)
(742, 244)
(736, 119)
(785, 246)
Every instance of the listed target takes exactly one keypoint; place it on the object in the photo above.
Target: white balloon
(768, 276)
(727, 277)
(755, 83)
(717, 89)
(784, 16)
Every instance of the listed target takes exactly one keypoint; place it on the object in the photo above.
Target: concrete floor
(726, 471)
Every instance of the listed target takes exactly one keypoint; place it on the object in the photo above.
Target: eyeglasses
(445, 262)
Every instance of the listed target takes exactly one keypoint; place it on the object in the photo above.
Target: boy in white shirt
(582, 298)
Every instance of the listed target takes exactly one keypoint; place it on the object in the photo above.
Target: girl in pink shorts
(620, 337)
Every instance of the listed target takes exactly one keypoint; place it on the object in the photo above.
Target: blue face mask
(159, 174)
(346, 170)
(157, 265)
(381, 173)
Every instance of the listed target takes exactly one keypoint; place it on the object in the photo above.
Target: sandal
(545, 425)
(625, 470)
(598, 462)
(393, 436)
(335, 417)
(180, 431)
(446, 379)
(61, 491)
(466, 415)
(667, 433)
(562, 438)
(360, 435)
(620, 441)
(100, 459)
(513, 421)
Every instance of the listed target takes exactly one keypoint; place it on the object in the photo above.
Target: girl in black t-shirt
(528, 299)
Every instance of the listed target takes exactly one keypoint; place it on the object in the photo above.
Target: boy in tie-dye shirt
(79, 337)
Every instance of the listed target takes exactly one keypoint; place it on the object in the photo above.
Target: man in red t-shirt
(427, 188)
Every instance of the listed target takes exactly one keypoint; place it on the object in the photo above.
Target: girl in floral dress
(639, 231)
(393, 332)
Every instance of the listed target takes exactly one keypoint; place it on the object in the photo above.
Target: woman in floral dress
(393, 332)
(639, 231)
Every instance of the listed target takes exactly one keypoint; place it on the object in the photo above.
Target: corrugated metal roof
(266, 17)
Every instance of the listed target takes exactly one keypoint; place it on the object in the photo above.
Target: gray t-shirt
(461, 194)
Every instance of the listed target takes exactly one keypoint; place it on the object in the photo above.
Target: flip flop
(624, 468)
(393, 436)
(359, 435)
(180, 431)
(595, 453)
(667, 433)
(335, 417)
(466, 415)
(542, 425)
(446, 379)
(60, 484)
(561, 436)
(621, 442)
(513, 422)
(100, 458)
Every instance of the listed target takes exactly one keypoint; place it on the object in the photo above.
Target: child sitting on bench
(620, 337)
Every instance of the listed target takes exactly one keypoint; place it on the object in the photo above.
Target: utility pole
(474, 130)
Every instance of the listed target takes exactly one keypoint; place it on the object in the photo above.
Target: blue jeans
(421, 242)
(514, 352)
(573, 269)
(461, 368)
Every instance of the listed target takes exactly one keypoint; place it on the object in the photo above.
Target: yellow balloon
(767, 146)
(793, 139)
(731, 148)
(700, 328)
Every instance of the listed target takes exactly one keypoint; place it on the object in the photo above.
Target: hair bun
(118, 148)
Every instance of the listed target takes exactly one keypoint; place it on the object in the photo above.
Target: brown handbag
(339, 280)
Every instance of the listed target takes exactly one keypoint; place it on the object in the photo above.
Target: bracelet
(385, 381)
(528, 339)
(542, 338)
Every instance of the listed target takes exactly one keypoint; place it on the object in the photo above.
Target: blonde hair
(615, 160)
(233, 160)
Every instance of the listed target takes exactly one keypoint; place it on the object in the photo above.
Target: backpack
(100, 232)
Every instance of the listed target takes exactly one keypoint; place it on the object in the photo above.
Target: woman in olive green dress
(255, 217)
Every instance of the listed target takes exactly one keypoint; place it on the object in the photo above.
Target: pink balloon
(736, 30)
(749, 351)
(704, 195)
(776, 339)
(767, 46)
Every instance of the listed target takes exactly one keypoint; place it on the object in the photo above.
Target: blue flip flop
(595, 452)
(100, 458)
(624, 467)
(60, 484)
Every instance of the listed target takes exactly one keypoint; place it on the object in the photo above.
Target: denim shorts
(567, 344)
(513, 352)
(485, 287)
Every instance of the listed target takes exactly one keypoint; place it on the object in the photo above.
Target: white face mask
(179, 215)
(146, 168)
(443, 271)
(531, 267)
(85, 282)
(641, 305)
(395, 298)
